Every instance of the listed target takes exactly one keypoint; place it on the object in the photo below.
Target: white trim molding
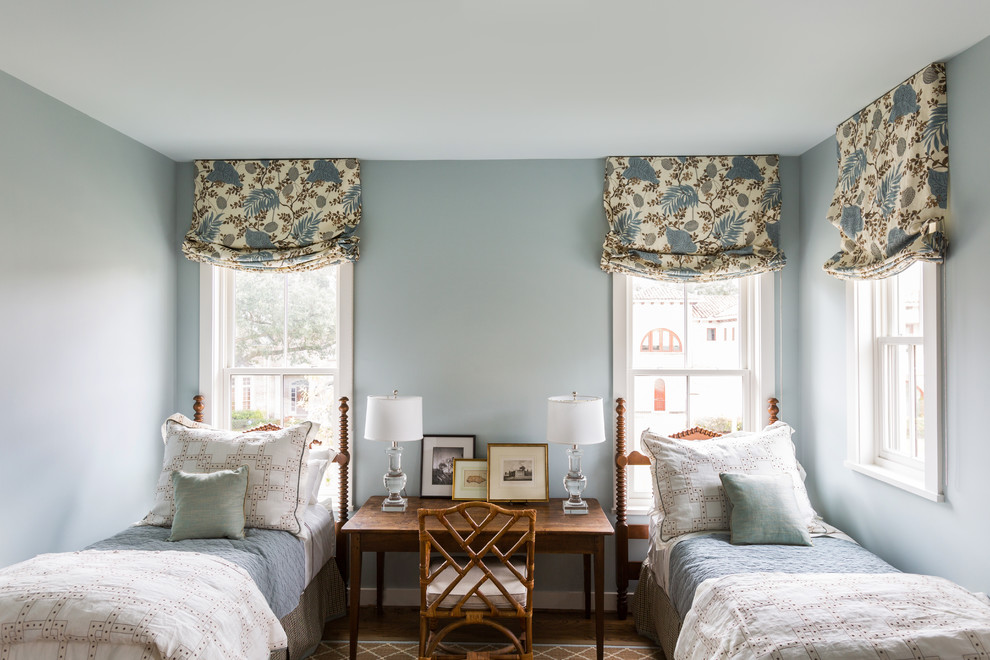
(865, 301)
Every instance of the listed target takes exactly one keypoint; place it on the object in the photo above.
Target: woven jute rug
(407, 650)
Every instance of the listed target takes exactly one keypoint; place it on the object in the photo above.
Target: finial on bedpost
(773, 410)
(198, 407)
(621, 527)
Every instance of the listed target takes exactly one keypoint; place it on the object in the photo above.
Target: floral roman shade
(278, 215)
(700, 218)
(892, 192)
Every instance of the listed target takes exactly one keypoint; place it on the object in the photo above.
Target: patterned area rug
(407, 650)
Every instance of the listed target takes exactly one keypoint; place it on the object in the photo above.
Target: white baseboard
(545, 600)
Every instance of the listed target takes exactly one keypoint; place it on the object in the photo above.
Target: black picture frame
(439, 452)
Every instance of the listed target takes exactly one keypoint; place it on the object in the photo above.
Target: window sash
(889, 402)
(756, 359)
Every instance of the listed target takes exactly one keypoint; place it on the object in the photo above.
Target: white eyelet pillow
(686, 476)
(274, 460)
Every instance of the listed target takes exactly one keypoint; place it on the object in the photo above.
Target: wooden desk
(372, 530)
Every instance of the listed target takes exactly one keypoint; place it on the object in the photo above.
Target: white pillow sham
(686, 479)
(315, 470)
(274, 459)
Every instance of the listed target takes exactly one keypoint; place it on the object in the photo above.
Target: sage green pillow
(763, 510)
(209, 505)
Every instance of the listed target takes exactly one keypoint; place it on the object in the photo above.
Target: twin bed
(740, 566)
(188, 583)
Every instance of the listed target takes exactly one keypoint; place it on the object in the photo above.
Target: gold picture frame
(517, 472)
(470, 479)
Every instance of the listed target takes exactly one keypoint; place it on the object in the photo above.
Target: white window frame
(864, 448)
(214, 326)
(757, 327)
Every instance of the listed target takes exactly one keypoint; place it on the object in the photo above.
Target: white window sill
(896, 479)
(636, 509)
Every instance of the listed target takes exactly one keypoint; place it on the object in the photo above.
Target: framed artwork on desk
(439, 454)
(470, 479)
(517, 472)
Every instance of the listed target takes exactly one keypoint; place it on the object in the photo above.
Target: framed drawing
(439, 452)
(470, 479)
(517, 473)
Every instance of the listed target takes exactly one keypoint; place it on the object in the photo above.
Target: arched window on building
(660, 340)
(659, 395)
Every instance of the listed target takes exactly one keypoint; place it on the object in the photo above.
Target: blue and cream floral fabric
(700, 218)
(892, 192)
(278, 215)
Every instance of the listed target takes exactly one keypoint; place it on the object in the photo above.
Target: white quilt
(893, 616)
(134, 604)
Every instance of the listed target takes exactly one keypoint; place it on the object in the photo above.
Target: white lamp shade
(575, 420)
(394, 418)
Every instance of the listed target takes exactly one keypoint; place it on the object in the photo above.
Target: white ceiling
(477, 79)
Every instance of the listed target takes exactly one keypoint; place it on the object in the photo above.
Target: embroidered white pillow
(686, 476)
(274, 460)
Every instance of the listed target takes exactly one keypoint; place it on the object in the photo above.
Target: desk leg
(380, 583)
(355, 560)
(600, 597)
(587, 586)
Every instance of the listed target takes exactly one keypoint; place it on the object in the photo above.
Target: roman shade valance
(700, 218)
(278, 215)
(892, 192)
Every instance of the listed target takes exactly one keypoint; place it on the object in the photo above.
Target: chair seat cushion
(512, 585)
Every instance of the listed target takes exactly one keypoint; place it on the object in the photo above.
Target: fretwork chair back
(476, 567)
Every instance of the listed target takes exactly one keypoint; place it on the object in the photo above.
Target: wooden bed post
(621, 528)
(773, 410)
(343, 504)
(343, 450)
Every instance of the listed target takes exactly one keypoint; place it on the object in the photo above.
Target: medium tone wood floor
(549, 627)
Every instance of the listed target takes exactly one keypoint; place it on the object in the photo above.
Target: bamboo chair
(474, 578)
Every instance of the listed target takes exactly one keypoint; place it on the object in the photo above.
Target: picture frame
(439, 452)
(517, 472)
(470, 479)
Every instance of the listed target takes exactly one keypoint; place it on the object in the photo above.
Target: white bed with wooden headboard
(740, 566)
(234, 538)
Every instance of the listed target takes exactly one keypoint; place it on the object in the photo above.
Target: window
(660, 340)
(277, 348)
(895, 380)
(721, 385)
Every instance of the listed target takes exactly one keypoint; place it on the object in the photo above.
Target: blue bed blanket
(694, 560)
(275, 560)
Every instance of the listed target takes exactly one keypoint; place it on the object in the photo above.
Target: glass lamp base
(574, 483)
(394, 480)
(579, 507)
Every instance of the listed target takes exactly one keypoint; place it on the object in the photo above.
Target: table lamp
(394, 419)
(575, 420)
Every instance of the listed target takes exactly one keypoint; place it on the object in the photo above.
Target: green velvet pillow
(763, 509)
(210, 505)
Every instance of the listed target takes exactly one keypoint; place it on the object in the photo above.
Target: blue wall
(88, 288)
(947, 539)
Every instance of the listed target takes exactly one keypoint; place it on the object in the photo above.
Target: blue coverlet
(275, 560)
(694, 560)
